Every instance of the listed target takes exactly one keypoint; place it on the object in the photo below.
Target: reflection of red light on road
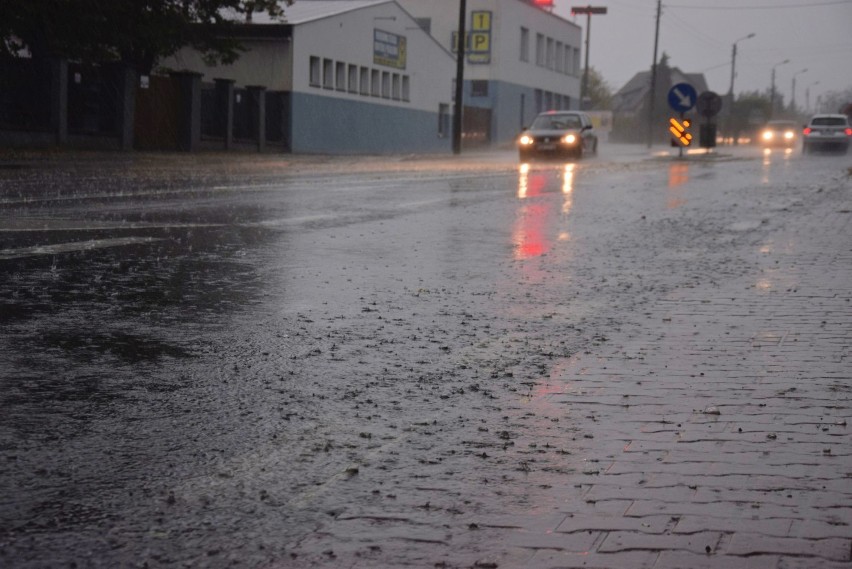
(529, 234)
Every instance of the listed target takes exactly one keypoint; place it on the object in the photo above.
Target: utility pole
(457, 113)
(654, 77)
(731, 90)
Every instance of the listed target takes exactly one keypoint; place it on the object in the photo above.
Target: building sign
(478, 39)
(389, 49)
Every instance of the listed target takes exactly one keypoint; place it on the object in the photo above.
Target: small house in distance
(630, 105)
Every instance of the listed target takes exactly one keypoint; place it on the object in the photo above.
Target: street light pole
(793, 94)
(734, 64)
(588, 11)
(731, 89)
(772, 95)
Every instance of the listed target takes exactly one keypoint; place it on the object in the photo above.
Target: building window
(479, 88)
(315, 71)
(365, 81)
(443, 120)
(375, 83)
(539, 49)
(566, 61)
(538, 100)
(327, 74)
(557, 64)
(525, 44)
(340, 76)
(406, 88)
(386, 84)
(396, 88)
(550, 57)
(548, 100)
(576, 62)
(353, 78)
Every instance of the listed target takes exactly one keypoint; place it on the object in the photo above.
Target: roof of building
(304, 11)
(632, 94)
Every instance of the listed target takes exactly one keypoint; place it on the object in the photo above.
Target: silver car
(826, 131)
(559, 134)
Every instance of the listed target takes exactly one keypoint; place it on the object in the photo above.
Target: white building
(522, 60)
(360, 76)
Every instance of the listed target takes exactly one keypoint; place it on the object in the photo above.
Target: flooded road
(265, 362)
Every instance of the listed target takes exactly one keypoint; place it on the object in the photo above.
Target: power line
(762, 7)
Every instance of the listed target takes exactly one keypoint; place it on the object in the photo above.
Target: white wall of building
(348, 39)
(508, 17)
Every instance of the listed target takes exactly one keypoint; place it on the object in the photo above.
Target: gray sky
(698, 36)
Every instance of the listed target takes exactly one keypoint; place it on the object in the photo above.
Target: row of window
(359, 80)
(551, 53)
(548, 101)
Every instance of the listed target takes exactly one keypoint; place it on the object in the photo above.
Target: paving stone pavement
(720, 433)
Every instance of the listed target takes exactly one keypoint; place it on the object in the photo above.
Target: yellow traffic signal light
(680, 131)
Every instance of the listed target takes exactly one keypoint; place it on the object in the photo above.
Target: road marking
(40, 250)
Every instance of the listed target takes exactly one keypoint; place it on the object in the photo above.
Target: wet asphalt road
(219, 361)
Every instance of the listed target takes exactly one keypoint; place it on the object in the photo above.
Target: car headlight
(569, 139)
(525, 140)
(789, 135)
(767, 135)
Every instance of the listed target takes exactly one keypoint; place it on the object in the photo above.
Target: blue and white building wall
(363, 77)
(368, 80)
(522, 60)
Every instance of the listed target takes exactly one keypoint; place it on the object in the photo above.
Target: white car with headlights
(558, 134)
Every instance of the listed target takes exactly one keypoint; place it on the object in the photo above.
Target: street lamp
(588, 11)
(793, 95)
(808, 95)
(772, 95)
(734, 64)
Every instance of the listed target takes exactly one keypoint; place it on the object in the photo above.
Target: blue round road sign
(682, 97)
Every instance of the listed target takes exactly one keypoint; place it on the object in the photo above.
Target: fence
(44, 103)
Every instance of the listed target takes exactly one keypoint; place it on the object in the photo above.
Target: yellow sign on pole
(481, 21)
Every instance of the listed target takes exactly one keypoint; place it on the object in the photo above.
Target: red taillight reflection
(807, 130)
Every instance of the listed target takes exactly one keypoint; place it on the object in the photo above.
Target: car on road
(779, 133)
(826, 131)
(558, 134)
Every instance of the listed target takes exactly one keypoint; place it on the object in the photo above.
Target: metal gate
(476, 127)
(158, 115)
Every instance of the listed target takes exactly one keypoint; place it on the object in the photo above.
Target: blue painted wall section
(332, 125)
(504, 100)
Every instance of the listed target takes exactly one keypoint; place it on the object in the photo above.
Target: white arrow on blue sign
(682, 97)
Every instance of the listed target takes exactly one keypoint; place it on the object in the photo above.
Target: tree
(835, 101)
(598, 92)
(136, 32)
